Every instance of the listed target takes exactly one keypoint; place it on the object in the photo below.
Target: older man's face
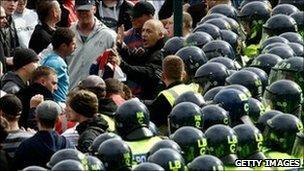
(3, 20)
(150, 34)
(9, 6)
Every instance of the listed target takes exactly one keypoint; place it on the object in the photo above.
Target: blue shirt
(56, 62)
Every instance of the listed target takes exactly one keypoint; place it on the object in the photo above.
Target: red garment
(70, 6)
(62, 124)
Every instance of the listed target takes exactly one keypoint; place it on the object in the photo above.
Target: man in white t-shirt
(25, 21)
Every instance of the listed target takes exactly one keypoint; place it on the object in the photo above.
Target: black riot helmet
(279, 24)
(297, 48)
(193, 58)
(168, 159)
(227, 10)
(241, 88)
(262, 121)
(172, 45)
(232, 38)
(233, 101)
(211, 74)
(262, 75)
(166, 143)
(286, 9)
(281, 131)
(95, 164)
(229, 63)
(250, 141)
(284, 95)
(185, 114)
(299, 18)
(115, 154)
(272, 45)
(192, 142)
(211, 16)
(214, 114)
(235, 26)
(291, 69)
(66, 154)
(198, 39)
(147, 166)
(132, 120)
(93, 149)
(205, 163)
(245, 2)
(283, 51)
(220, 23)
(222, 143)
(273, 39)
(266, 62)
(68, 165)
(248, 79)
(218, 48)
(256, 109)
(34, 168)
(293, 37)
(209, 95)
(298, 3)
(190, 96)
(211, 29)
(255, 11)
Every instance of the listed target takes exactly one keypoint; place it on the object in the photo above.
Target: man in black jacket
(144, 70)
(82, 107)
(44, 82)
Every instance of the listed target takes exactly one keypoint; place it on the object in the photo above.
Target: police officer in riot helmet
(279, 24)
(132, 124)
(284, 95)
(166, 143)
(192, 142)
(116, 155)
(262, 121)
(236, 103)
(266, 62)
(222, 143)
(280, 134)
(253, 15)
(185, 114)
(291, 69)
(250, 142)
(209, 75)
(191, 96)
(214, 114)
(169, 159)
(205, 163)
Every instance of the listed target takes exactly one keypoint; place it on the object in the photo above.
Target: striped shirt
(13, 140)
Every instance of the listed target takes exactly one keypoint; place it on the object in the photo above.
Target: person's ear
(183, 75)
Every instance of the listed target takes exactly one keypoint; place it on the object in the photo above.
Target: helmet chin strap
(206, 87)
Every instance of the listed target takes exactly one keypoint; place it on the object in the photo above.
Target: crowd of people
(108, 85)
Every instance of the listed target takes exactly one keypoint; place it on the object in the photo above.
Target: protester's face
(3, 20)
(70, 47)
(168, 24)
(85, 16)
(150, 34)
(10, 6)
(50, 82)
(21, 6)
(71, 114)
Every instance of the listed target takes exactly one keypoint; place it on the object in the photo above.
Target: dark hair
(173, 67)
(83, 102)
(42, 71)
(114, 86)
(62, 36)
(44, 9)
(3, 130)
(47, 123)
(11, 107)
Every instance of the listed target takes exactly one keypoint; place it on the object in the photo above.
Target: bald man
(144, 70)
